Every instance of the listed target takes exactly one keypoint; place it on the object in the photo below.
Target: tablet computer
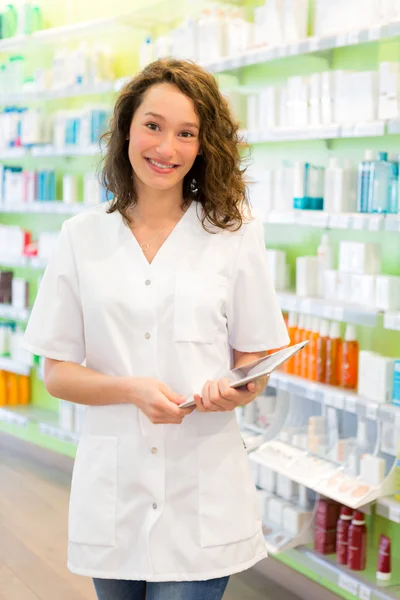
(255, 369)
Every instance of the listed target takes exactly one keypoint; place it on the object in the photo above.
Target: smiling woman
(171, 120)
(161, 292)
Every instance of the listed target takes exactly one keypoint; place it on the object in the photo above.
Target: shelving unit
(337, 311)
(345, 221)
(330, 132)
(13, 366)
(53, 208)
(7, 311)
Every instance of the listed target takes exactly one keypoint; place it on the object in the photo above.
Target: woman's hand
(158, 402)
(220, 396)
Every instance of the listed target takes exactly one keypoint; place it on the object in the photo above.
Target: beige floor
(33, 532)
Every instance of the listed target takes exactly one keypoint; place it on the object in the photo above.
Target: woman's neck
(157, 204)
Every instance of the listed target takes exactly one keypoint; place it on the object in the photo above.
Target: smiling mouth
(162, 165)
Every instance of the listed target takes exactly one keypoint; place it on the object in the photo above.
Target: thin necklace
(146, 245)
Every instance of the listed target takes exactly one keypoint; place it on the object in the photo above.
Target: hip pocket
(228, 509)
(199, 307)
(94, 492)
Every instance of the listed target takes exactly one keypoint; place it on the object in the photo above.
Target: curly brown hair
(216, 179)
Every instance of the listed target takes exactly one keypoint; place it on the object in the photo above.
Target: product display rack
(41, 426)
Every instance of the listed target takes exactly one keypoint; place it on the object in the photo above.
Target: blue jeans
(120, 589)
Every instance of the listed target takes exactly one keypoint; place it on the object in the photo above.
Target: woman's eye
(187, 134)
(152, 126)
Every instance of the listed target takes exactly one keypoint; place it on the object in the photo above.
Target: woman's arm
(70, 381)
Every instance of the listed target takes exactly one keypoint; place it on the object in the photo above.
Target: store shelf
(305, 46)
(392, 321)
(320, 474)
(336, 311)
(13, 366)
(9, 312)
(56, 208)
(330, 132)
(13, 153)
(50, 151)
(351, 584)
(324, 220)
(278, 540)
(336, 397)
(22, 261)
(389, 509)
(45, 421)
(102, 87)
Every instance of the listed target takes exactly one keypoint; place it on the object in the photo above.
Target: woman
(161, 291)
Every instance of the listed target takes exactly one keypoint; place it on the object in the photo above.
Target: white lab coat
(158, 502)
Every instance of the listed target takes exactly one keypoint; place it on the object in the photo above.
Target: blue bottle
(364, 175)
(393, 191)
(381, 171)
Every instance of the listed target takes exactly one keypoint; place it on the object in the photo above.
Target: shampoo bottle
(313, 350)
(292, 328)
(381, 172)
(305, 353)
(333, 344)
(349, 363)
(321, 351)
(299, 338)
(342, 538)
(325, 261)
(357, 556)
(364, 176)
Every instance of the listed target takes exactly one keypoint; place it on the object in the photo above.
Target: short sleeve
(55, 328)
(255, 321)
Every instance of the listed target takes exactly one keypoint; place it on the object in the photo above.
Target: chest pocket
(199, 307)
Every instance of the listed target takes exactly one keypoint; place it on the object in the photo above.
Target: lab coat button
(154, 450)
(147, 336)
(147, 282)
(154, 505)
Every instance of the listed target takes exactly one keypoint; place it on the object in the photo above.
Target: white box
(277, 266)
(344, 281)
(359, 258)
(372, 469)
(254, 470)
(375, 377)
(267, 479)
(307, 276)
(19, 292)
(286, 488)
(294, 519)
(263, 499)
(387, 292)
(275, 511)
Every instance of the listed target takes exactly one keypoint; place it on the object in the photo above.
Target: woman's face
(163, 138)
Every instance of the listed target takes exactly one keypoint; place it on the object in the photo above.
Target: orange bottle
(333, 345)
(350, 352)
(305, 353)
(321, 351)
(3, 388)
(299, 335)
(12, 389)
(292, 329)
(24, 391)
(312, 350)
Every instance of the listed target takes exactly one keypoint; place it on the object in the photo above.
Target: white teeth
(153, 162)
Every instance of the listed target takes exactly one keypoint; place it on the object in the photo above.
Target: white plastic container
(325, 262)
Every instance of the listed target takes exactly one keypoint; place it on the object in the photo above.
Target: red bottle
(357, 556)
(342, 536)
(325, 526)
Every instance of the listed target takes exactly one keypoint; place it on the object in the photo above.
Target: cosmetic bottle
(384, 570)
(325, 526)
(380, 176)
(393, 191)
(325, 262)
(3, 388)
(358, 447)
(357, 554)
(349, 362)
(333, 345)
(299, 336)
(23, 389)
(321, 351)
(313, 350)
(364, 177)
(12, 389)
(292, 329)
(342, 536)
(305, 353)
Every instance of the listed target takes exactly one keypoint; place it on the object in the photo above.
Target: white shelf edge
(300, 467)
(336, 311)
(104, 87)
(352, 582)
(355, 130)
(56, 207)
(389, 509)
(324, 220)
(46, 422)
(13, 366)
(336, 397)
(304, 46)
(11, 313)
